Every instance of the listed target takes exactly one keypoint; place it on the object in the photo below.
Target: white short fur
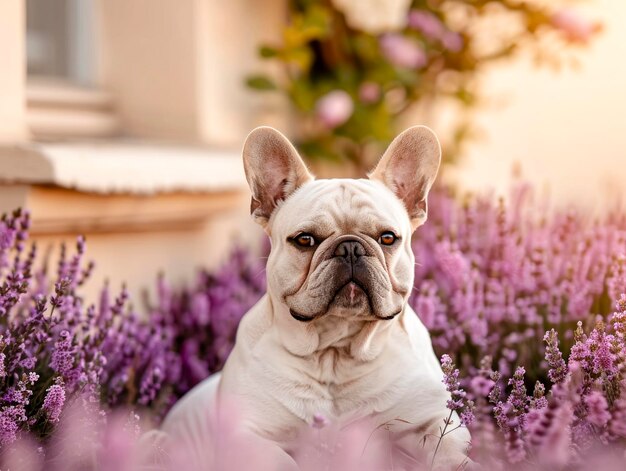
(343, 363)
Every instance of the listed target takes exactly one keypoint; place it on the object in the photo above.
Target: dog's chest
(286, 390)
(337, 387)
(330, 368)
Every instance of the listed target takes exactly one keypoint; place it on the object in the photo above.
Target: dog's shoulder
(254, 324)
(420, 342)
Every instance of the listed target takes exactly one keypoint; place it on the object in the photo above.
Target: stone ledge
(122, 167)
(56, 211)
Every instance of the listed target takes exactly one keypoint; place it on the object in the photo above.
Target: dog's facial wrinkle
(336, 210)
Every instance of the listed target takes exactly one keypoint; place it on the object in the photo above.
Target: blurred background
(123, 120)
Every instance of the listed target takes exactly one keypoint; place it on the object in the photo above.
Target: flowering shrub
(491, 278)
(54, 348)
(47, 352)
(202, 320)
(527, 303)
(582, 416)
(354, 68)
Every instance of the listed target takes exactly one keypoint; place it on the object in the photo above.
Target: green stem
(443, 433)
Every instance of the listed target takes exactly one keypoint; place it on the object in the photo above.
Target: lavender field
(525, 304)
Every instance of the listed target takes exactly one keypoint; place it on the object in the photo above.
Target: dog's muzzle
(350, 251)
(349, 256)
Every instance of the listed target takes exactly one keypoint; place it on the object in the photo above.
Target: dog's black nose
(351, 250)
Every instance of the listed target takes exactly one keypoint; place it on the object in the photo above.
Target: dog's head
(341, 246)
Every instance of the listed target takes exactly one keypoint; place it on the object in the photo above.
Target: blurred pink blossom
(597, 408)
(319, 421)
(334, 108)
(54, 401)
(452, 41)
(433, 29)
(573, 26)
(369, 92)
(427, 23)
(402, 51)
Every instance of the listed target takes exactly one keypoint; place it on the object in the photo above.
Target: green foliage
(386, 66)
(260, 82)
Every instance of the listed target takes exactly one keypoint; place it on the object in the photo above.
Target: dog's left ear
(409, 167)
(274, 170)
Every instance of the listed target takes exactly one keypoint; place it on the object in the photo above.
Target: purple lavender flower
(618, 319)
(514, 446)
(457, 401)
(597, 408)
(616, 282)
(54, 401)
(539, 400)
(548, 433)
(594, 353)
(557, 368)
(10, 419)
(150, 385)
(3, 370)
(62, 356)
(557, 443)
(518, 398)
(481, 386)
(617, 423)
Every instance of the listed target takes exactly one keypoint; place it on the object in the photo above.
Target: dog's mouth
(301, 317)
(351, 296)
(358, 290)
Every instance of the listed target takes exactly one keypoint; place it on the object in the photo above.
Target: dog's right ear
(274, 170)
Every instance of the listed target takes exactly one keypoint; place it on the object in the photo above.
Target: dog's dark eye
(387, 238)
(304, 240)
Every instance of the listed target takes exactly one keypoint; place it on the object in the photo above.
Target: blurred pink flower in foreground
(574, 27)
(319, 421)
(334, 108)
(402, 51)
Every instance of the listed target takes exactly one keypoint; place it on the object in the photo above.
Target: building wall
(169, 82)
(135, 258)
(565, 130)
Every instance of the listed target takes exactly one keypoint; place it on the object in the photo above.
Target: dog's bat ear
(274, 170)
(409, 167)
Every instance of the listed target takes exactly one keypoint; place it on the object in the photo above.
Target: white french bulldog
(334, 335)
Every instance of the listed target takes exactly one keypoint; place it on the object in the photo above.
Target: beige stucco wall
(177, 69)
(12, 71)
(567, 129)
(136, 258)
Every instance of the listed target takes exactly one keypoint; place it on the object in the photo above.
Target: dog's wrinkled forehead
(342, 206)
